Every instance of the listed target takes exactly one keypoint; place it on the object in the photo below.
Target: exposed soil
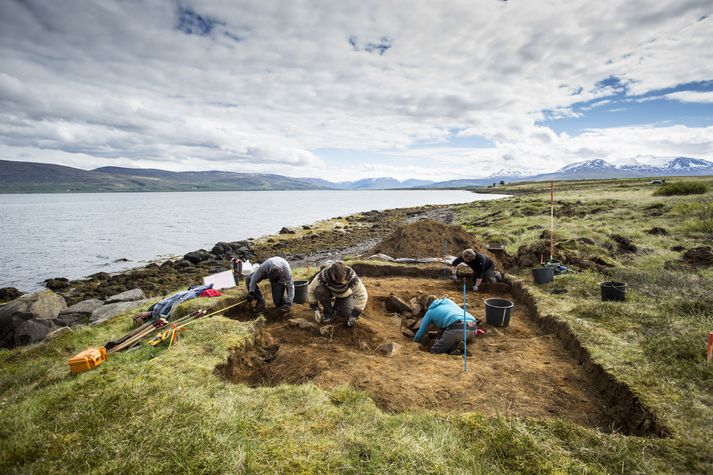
(520, 370)
(427, 238)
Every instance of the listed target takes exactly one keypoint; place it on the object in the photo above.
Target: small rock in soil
(389, 349)
(127, 296)
(395, 304)
(302, 323)
(407, 332)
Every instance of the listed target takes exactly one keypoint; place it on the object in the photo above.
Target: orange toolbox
(87, 360)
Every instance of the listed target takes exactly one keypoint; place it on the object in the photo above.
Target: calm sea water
(75, 235)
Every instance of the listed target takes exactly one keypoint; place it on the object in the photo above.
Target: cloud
(691, 96)
(247, 86)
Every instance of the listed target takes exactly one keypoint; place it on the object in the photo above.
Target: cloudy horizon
(349, 90)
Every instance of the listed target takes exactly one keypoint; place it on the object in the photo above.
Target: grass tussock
(681, 188)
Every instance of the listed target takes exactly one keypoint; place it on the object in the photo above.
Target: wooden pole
(552, 220)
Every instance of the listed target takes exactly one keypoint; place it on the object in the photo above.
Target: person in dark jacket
(482, 265)
(278, 271)
(447, 316)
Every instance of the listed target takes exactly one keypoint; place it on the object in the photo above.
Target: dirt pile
(426, 239)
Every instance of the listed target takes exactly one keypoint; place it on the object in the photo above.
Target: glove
(317, 316)
(251, 296)
(475, 288)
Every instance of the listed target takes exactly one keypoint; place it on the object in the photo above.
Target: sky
(353, 89)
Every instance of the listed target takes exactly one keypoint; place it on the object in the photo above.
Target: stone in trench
(302, 323)
(128, 296)
(407, 332)
(105, 312)
(395, 304)
(389, 349)
(416, 325)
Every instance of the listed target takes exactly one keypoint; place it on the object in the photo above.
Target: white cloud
(272, 82)
(691, 96)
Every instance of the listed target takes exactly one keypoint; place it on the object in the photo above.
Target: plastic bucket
(613, 291)
(543, 275)
(301, 291)
(498, 311)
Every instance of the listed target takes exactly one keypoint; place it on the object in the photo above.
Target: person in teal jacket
(445, 315)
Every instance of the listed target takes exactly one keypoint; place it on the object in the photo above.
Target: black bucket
(543, 275)
(301, 291)
(498, 311)
(613, 291)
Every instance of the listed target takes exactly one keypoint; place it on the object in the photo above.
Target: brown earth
(520, 370)
(426, 238)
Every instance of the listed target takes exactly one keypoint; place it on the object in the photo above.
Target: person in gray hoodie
(278, 271)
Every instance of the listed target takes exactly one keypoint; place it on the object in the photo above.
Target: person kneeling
(445, 315)
(340, 292)
(278, 271)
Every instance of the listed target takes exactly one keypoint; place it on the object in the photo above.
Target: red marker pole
(710, 346)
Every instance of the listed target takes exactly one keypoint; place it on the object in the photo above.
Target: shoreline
(303, 246)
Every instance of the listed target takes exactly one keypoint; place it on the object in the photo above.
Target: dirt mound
(699, 256)
(426, 239)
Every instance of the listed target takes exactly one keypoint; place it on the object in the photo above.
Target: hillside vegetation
(167, 410)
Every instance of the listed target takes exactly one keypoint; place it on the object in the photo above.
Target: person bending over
(278, 271)
(340, 292)
(445, 315)
(482, 265)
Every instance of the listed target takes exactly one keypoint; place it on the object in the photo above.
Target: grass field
(160, 410)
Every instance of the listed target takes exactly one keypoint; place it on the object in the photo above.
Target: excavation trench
(535, 367)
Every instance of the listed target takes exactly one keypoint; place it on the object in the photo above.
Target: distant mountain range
(27, 177)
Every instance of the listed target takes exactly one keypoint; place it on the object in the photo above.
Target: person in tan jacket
(340, 291)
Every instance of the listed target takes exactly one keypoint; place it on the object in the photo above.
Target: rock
(305, 227)
(183, 263)
(79, 313)
(122, 259)
(58, 333)
(416, 325)
(302, 323)
(395, 304)
(678, 248)
(9, 293)
(286, 231)
(44, 305)
(586, 240)
(100, 276)
(105, 312)
(128, 296)
(33, 331)
(221, 248)
(389, 349)
(416, 307)
(534, 227)
(198, 256)
(57, 283)
(167, 264)
(407, 332)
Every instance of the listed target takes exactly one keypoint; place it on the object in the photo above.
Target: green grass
(160, 410)
(681, 188)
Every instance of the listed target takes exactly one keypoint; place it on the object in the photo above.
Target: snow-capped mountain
(688, 164)
(504, 173)
(577, 167)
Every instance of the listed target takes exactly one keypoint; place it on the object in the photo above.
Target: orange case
(87, 360)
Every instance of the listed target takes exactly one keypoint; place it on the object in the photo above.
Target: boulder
(33, 331)
(395, 304)
(105, 312)
(79, 313)
(183, 263)
(221, 248)
(9, 293)
(128, 296)
(45, 305)
(58, 283)
(389, 349)
(200, 255)
(286, 231)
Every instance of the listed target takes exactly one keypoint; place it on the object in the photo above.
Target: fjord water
(75, 235)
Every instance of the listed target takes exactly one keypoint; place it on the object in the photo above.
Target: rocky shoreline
(305, 245)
